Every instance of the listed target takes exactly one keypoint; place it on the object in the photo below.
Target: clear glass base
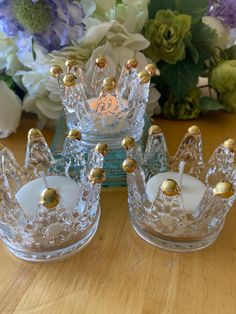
(115, 176)
(171, 243)
(58, 253)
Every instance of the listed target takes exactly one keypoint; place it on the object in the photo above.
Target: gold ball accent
(74, 135)
(55, 70)
(154, 129)
(230, 144)
(101, 62)
(132, 63)
(144, 77)
(151, 69)
(71, 63)
(102, 148)
(170, 187)
(49, 198)
(194, 130)
(129, 165)
(97, 175)
(69, 80)
(128, 142)
(109, 83)
(1, 146)
(34, 133)
(224, 189)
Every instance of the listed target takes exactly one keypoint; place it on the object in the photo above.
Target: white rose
(222, 30)
(10, 110)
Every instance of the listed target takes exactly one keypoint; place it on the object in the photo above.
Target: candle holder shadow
(44, 214)
(173, 210)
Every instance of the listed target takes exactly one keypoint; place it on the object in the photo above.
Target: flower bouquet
(192, 51)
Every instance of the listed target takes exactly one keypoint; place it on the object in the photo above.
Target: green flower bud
(184, 109)
(229, 100)
(34, 17)
(167, 34)
(223, 76)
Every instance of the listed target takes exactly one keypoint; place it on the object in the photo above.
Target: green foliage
(204, 39)
(156, 5)
(199, 57)
(181, 77)
(195, 8)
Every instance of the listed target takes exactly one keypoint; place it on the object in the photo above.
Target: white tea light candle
(28, 195)
(192, 188)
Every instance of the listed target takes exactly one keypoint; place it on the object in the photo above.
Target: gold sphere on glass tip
(109, 83)
(170, 187)
(224, 189)
(70, 63)
(34, 133)
(74, 135)
(151, 69)
(102, 148)
(194, 130)
(128, 142)
(49, 198)
(230, 144)
(101, 62)
(154, 130)
(55, 70)
(97, 175)
(144, 77)
(132, 63)
(129, 165)
(69, 80)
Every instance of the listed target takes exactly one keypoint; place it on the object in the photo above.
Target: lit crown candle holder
(179, 202)
(108, 109)
(44, 213)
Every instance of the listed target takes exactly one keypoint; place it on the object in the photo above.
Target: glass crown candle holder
(44, 214)
(179, 202)
(107, 109)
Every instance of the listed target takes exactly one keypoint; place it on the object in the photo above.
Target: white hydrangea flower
(10, 110)
(132, 14)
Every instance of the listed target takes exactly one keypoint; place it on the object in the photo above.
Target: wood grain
(118, 273)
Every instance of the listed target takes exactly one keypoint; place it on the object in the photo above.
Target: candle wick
(42, 175)
(181, 172)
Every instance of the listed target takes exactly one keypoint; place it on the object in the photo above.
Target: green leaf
(181, 77)
(204, 39)
(210, 104)
(195, 8)
(156, 5)
(193, 51)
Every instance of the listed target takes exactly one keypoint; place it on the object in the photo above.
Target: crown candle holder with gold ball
(105, 111)
(46, 211)
(184, 207)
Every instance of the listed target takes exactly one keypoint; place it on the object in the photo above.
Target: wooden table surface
(119, 273)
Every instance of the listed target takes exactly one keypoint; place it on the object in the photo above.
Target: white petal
(10, 110)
